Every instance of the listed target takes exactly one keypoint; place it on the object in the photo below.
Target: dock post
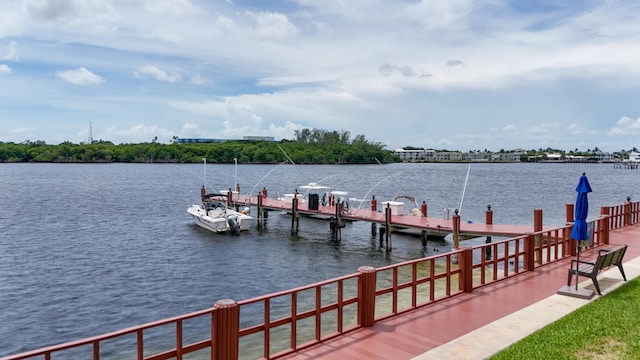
(425, 237)
(423, 208)
(387, 221)
(260, 215)
(366, 296)
(374, 204)
(225, 328)
(489, 221)
(374, 229)
(294, 216)
(456, 230)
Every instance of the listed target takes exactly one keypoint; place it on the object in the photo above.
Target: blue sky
(455, 74)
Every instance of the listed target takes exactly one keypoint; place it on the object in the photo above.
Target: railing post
(537, 220)
(366, 296)
(537, 227)
(529, 252)
(488, 219)
(465, 262)
(225, 327)
(627, 213)
(570, 213)
(604, 225)
(568, 246)
(605, 210)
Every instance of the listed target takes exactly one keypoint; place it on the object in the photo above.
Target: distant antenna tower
(90, 132)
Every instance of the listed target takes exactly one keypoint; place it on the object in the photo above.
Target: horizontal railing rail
(278, 324)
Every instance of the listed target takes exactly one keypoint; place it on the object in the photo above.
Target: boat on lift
(213, 214)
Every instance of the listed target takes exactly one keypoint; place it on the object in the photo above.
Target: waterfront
(87, 249)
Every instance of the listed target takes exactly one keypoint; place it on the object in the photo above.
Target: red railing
(278, 324)
(622, 215)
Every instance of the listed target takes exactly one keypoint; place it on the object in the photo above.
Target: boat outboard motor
(232, 220)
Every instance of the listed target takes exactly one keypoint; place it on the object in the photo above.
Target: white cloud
(12, 52)
(198, 80)
(626, 126)
(272, 26)
(137, 134)
(5, 69)
(158, 74)
(80, 76)
(432, 15)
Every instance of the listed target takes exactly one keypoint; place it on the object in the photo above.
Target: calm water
(88, 249)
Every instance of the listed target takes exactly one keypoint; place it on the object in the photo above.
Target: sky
(455, 74)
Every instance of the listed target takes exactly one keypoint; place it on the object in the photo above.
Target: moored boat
(214, 214)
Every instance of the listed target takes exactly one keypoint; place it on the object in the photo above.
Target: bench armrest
(604, 251)
(582, 262)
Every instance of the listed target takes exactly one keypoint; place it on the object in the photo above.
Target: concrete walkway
(492, 338)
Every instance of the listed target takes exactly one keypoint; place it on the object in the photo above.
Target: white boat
(214, 215)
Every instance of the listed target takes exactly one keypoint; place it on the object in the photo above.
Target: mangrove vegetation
(308, 147)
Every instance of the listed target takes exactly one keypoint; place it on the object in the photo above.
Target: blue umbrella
(579, 231)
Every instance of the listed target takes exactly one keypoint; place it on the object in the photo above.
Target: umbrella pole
(577, 262)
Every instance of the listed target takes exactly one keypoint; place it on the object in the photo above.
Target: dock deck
(433, 226)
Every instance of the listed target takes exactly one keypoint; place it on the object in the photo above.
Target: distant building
(207, 141)
(199, 141)
(258, 138)
(410, 155)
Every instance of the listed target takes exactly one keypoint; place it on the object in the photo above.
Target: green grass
(605, 329)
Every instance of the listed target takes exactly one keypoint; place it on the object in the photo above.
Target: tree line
(309, 147)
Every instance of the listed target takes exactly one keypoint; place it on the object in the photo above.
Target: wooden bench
(590, 269)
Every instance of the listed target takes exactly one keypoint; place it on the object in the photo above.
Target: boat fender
(246, 211)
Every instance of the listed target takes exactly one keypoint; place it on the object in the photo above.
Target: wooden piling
(456, 231)
(387, 222)
(260, 214)
(294, 215)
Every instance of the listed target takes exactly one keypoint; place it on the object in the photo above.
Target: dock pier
(388, 220)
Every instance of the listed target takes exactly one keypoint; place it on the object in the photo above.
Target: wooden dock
(430, 226)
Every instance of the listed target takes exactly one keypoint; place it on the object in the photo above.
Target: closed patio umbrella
(579, 231)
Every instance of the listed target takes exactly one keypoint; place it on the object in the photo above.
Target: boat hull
(220, 222)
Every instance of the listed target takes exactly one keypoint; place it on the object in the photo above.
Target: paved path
(490, 339)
